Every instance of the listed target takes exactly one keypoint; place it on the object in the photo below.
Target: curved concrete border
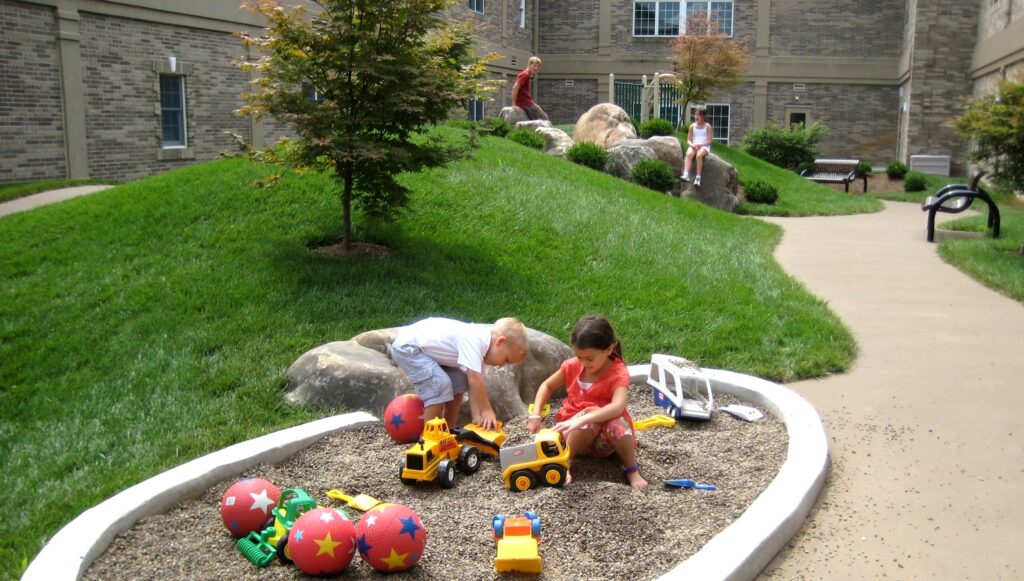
(741, 551)
(70, 552)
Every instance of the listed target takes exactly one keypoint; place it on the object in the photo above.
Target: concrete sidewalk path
(927, 428)
(50, 197)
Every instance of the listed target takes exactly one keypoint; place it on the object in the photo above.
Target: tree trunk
(346, 205)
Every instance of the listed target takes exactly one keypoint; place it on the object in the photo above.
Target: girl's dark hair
(595, 332)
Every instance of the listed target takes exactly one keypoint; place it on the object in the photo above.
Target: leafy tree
(360, 82)
(995, 123)
(706, 61)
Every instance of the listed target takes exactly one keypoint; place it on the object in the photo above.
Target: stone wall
(861, 119)
(944, 38)
(568, 27)
(31, 112)
(997, 15)
(121, 60)
(860, 28)
(566, 104)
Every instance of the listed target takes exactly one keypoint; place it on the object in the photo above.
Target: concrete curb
(741, 551)
(70, 552)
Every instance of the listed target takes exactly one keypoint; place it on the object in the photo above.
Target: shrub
(656, 126)
(761, 192)
(495, 126)
(915, 182)
(785, 147)
(896, 170)
(807, 165)
(864, 168)
(995, 125)
(589, 154)
(526, 136)
(654, 174)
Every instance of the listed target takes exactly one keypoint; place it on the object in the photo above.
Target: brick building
(128, 88)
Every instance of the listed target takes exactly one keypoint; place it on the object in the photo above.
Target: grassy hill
(152, 323)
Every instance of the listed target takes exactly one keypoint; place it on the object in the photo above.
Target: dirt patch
(597, 528)
(357, 250)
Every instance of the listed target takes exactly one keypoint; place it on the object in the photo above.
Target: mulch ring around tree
(595, 528)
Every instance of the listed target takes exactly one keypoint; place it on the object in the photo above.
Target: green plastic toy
(261, 548)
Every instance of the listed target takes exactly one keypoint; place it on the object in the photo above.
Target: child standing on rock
(593, 416)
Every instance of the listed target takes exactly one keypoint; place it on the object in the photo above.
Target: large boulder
(513, 115)
(534, 124)
(624, 155)
(556, 141)
(360, 375)
(718, 187)
(604, 124)
(668, 149)
(345, 376)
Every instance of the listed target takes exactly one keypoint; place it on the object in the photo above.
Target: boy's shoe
(696, 181)
(685, 177)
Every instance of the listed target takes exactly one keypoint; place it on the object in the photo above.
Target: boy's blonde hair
(534, 59)
(514, 332)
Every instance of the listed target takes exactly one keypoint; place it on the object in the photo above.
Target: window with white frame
(476, 110)
(477, 6)
(718, 117)
(522, 13)
(172, 111)
(668, 17)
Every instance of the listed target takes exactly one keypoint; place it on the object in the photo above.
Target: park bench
(835, 171)
(956, 198)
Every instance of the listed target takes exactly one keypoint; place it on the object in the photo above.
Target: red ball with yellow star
(403, 418)
(391, 538)
(322, 542)
(247, 505)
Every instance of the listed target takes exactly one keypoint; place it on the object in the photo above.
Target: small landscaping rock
(624, 155)
(604, 124)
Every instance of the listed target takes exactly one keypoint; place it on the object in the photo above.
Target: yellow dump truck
(545, 459)
(436, 455)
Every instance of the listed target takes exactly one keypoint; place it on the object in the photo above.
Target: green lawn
(21, 189)
(798, 196)
(152, 323)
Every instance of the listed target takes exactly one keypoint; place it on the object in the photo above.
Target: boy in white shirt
(444, 359)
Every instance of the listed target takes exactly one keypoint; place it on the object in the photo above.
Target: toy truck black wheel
(523, 480)
(282, 553)
(469, 459)
(446, 473)
(553, 475)
(401, 474)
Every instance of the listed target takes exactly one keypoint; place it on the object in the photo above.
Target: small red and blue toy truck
(518, 540)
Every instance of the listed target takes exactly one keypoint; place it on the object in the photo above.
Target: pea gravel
(595, 528)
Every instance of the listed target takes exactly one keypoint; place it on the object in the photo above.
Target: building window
(522, 13)
(172, 111)
(719, 14)
(476, 6)
(476, 110)
(662, 17)
(718, 117)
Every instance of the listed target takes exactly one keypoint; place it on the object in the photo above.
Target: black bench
(956, 198)
(835, 171)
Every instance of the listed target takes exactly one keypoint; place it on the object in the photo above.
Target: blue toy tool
(687, 483)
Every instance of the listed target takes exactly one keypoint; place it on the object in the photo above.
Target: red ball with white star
(403, 418)
(391, 538)
(322, 542)
(247, 505)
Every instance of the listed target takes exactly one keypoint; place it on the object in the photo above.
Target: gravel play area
(595, 528)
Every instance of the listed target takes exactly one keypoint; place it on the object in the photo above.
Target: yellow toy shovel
(658, 420)
(360, 502)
